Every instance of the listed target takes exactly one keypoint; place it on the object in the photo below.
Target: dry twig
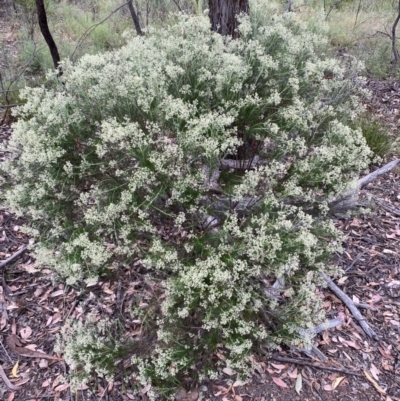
(12, 257)
(351, 306)
(313, 365)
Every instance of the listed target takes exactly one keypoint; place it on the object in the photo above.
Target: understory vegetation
(211, 162)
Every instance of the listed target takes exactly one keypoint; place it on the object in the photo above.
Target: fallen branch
(370, 177)
(313, 365)
(351, 306)
(12, 257)
(349, 198)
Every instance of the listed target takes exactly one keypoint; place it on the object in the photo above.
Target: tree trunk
(44, 28)
(223, 15)
(135, 18)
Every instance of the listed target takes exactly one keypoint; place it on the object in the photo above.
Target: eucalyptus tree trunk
(44, 28)
(135, 19)
(223, 15)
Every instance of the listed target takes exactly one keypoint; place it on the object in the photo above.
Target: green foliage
(119, 161)
(91, 349)
(376, 136)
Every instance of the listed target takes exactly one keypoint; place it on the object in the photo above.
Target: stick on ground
(12, 257)
(313, 365)
(351, 306)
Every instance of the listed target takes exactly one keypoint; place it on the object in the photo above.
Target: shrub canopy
(209, 161)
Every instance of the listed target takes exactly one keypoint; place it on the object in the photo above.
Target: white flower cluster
(210, 160)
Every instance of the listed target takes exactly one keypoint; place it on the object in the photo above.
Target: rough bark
(223, 15)
(44, 28)
(135, 19)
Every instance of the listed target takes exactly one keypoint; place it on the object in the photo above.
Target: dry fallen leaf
(336, 382)
(374, 371)
(11, 396)
(57, 293)
(14, 371)
(279, 367)
(44, 363)
(25, 332)
(376, 385)
(61, 387)
(228, 371)
(299, 383)
(279, 382)
(293, 374)
(145, 389)
(46, 383)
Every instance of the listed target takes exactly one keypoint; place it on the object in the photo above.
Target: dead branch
(12, 257)
(350, 305)
(313, 365)
(349, 198)
(372, 176)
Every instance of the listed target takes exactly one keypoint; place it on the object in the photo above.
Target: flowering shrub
(210, 161)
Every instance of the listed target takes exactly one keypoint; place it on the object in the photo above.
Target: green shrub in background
(209, 160)
(375, 135)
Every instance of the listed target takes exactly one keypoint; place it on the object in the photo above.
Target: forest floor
(34, 307)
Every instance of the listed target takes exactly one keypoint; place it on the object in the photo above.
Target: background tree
(223, 15)
(44, 28)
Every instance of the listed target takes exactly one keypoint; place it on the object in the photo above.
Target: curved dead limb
(350, 305)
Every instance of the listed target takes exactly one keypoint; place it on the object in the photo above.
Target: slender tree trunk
(44, 28)
(394, 47)
(135, 18)
(223, 15)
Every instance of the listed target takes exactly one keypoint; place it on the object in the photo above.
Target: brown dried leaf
(61, 387)
(279, 382)
(279, 367)
(46, 383)
(376, 385)
(145, 389)
(11, 396)
(374, 371)
(57, 293)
